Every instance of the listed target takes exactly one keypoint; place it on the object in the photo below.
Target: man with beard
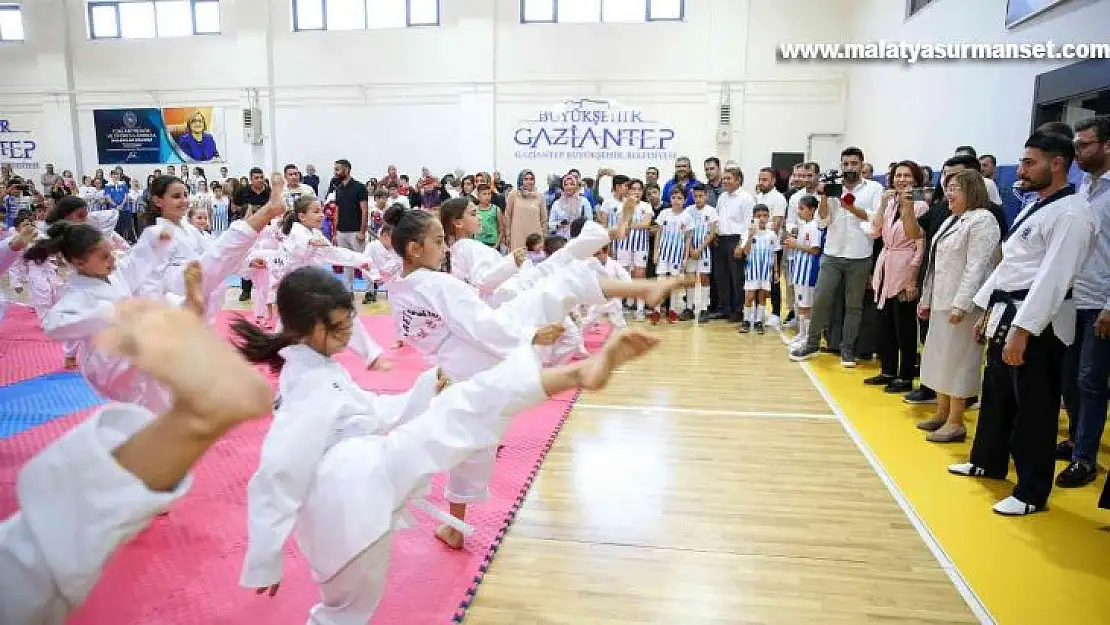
(1087, 360)
(352, 210)
(847, 259)
(683, 175)
(1029, 320)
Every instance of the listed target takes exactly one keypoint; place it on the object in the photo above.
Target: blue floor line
(30, 403)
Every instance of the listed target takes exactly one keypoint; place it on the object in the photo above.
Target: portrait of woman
(196, 143)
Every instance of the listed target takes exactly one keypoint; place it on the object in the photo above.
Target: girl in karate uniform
(200, 218)
(608, 267)
(340, 463)
(99, 280)
(11, 247)
(265, 260)
(169, 200)
(44, 285)
(101, 483)
(72, 208)
(469, 260)
(305, 246)
(446, 320)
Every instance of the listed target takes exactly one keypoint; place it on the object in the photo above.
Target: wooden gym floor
(709, 484)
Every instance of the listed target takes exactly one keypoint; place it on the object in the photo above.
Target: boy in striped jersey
(632, 251)
(704, 219)
(672, 245)
(805, 261)
(760, 270)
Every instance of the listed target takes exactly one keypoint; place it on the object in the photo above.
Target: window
(913, 6)
(363, 14)
(147, 19)
(11, 22)
(601, 11)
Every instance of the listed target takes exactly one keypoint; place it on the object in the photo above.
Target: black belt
(1010, 299)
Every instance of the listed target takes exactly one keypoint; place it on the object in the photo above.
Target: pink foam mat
(184, 568)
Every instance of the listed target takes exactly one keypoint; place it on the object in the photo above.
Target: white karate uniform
(446, 320)
(86, 307)
(592, 238)
(1043, 254)
(612, 309)
(268, 249)
(299, 252)
(77, 506)
(8, 257)
(481, 266)
(384, 262)
(341, 464)
(217, 262)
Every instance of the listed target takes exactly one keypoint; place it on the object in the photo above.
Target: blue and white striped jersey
(803, 265)
(703, 220)
(672, 236)
(760, 263)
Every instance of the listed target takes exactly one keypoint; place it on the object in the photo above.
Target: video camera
(833, 182)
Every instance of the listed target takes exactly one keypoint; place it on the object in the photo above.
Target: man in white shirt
(775, 201)
(1030, 319)
(1087, 360)
(734, 212)
(294, 188)
(847, 257)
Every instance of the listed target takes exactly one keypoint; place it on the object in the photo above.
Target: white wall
(924, 111)
(441, 97)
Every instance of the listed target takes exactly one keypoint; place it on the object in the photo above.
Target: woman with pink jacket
(895, 278)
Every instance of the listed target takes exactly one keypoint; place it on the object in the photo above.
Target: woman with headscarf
(525, 212)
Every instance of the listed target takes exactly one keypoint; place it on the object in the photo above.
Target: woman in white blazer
(963, 252)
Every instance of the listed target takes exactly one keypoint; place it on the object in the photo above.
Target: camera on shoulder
(833, 183)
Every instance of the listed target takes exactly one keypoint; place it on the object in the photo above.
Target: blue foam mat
(359, 283)
(32, 402)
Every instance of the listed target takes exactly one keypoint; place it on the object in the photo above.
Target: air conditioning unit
(252, 126)
(724, 118)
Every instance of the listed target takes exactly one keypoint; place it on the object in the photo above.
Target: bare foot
(449, 536)
(660, 289)
(626, 345)
(70, 363)
(206, 375)
(194, 292)
(380, 364)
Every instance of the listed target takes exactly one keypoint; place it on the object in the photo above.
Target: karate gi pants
(1019, 414)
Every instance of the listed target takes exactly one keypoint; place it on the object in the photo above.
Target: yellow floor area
(1050, 567)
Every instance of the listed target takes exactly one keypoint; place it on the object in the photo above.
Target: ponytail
(287, 222)
(42, 250)
(259, 346)
(72, 241)
(300, 207)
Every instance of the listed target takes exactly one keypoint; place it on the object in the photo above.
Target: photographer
(16, 198)
(846, 210)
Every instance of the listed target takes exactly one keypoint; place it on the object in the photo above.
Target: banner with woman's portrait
(191, 134)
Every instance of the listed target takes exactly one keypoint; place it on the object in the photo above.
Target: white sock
(760, 313)
(749, 314)
(703, 300)
(803, 326)
(676, 301)
(640, 305)
(690, 302)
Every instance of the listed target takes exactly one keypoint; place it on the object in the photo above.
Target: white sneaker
(773, 321)
(966, 469)
(1012, 506)
(639, 315)
(792, 324)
